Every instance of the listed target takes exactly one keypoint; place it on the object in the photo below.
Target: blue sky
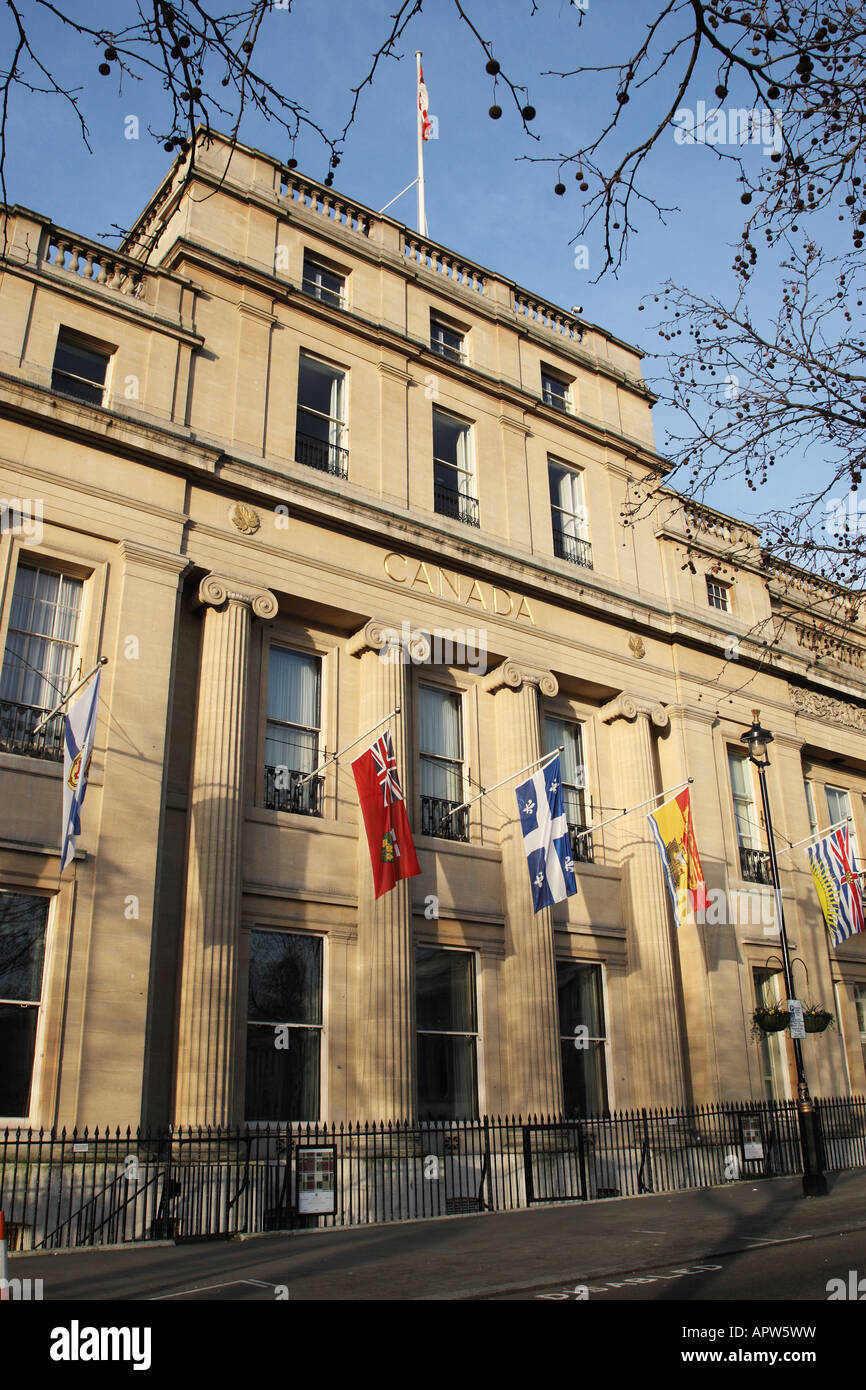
(483, 198)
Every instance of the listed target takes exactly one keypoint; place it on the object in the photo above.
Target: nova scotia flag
(545, 836)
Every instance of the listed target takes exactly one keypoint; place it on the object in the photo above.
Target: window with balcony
(320, 432)
(556, 391)
(453, 481)
(39, 661)
(80, 368)
(447, 1022)
(441, 749)
(754, 861)
(582, 1038)
(562, 733)
(446, 340)
(284, 1027)
(718, 595)
(839, 809)
(323, 283)
(568, 515)
(22, 951)
(293, 728)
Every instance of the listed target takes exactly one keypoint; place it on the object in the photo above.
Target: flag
(545, 836)
(77, 753)
(834, 870)
(392, 850)
(423, 106)
(675, 839)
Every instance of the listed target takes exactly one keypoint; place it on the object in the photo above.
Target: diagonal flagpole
(815, 835)
(366, 734)
(590, 829)
(103, 661)
(545, 758)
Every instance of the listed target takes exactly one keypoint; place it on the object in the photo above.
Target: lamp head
(757, 740)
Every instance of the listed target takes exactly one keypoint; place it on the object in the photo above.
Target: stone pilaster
(386, 976)
(534, 1082)
(657, 1074)
(208, 1006)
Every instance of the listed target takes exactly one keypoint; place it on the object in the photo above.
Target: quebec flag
(79, 737)
(545, 836)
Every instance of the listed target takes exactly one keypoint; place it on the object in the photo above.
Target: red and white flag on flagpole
(424, 106)
(392, 850)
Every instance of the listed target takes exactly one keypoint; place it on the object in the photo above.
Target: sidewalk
(458, 1257)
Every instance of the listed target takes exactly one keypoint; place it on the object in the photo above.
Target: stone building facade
(236, 458)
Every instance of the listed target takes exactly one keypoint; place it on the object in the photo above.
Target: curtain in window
(294, 698)
(566, 496)
(744, 811)
(43, 625)
(440, 735)
(558, 733)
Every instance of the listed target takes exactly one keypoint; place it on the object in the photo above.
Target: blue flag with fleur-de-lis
(545, 836)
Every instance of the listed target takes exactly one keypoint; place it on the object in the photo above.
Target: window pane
(319, 386)
(445, 990)
(439, 721)
(838, 804)
(447, 1084)
(283, 1083)
(294, 681)
(448, 436)
(40, 645)
(285, 978)
(580, 998)
(22, 948)
(80, 361)
(584, 1080)
(17, 1047)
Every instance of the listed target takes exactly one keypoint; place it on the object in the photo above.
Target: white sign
(316, 1170)
(753, 1142)
(797, 1025)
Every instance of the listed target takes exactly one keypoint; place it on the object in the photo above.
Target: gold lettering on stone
(475, 595)
(451, 583)
(422, 577)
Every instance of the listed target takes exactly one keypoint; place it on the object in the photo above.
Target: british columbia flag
(834, 869)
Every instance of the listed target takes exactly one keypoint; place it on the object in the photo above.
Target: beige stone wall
(145, 1017)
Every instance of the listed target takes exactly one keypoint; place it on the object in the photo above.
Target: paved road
(473, 1257)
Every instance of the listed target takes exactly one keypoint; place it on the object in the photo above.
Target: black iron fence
(60, 1190)
(17, 723)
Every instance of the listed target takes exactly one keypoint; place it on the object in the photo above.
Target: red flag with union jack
(383, 806)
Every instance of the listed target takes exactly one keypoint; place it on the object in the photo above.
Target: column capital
(217, 589)
(628, 706)
(383, 638)
(514, 675)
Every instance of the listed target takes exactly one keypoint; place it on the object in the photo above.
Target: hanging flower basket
(816, 1019)
(772, 1020)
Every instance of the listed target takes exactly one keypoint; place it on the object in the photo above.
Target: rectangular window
(810, 806)
(284, 1027)
(447, 1023)
(39, 661)
(839, 808)
(440, 740)
(324, 284)
(754, 861)
(555, 391)
(79, 369)
(22, 953)
(320, 431)
(860, 1006)
(292, 738)
(582, 1038)
(559, 732)
(770, 989)
(446, 341)
(717, 595)
(453, 481)
(568, 515)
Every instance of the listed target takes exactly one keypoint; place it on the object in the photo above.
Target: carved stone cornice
(387, 641)
(217, 589)
(628, 706)
(825, 707)
(515, 674)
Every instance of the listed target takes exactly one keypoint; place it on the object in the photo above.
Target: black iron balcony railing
(449, 502)
(572, 548)
(582, 850)
(17, 723)
(318, 453)
(282, 792)
(436, 819)
(755, 865)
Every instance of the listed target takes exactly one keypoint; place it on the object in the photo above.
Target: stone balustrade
(830, 644)
(316, 198)
(545, 315)
(94, 263)
(436, 258)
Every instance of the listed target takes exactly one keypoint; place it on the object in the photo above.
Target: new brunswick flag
(392, 851)
(834, 870)
(675, 839)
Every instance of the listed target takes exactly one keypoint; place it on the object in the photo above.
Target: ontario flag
(383, 806)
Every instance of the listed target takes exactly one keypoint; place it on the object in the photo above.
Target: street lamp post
(814, 1181)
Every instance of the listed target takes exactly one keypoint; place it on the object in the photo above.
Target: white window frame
(70, 337)
(73, 646)
(444, 350)
(564, 403)
(9, 1121)
(450, 1032)
(322, 1027)
(605, 1041)
(312, 284)
(716, 588)
(338, 426)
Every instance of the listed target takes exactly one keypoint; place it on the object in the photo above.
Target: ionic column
(206, 1054)
(534, 1082)
(656, 1071)
(386, 976)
